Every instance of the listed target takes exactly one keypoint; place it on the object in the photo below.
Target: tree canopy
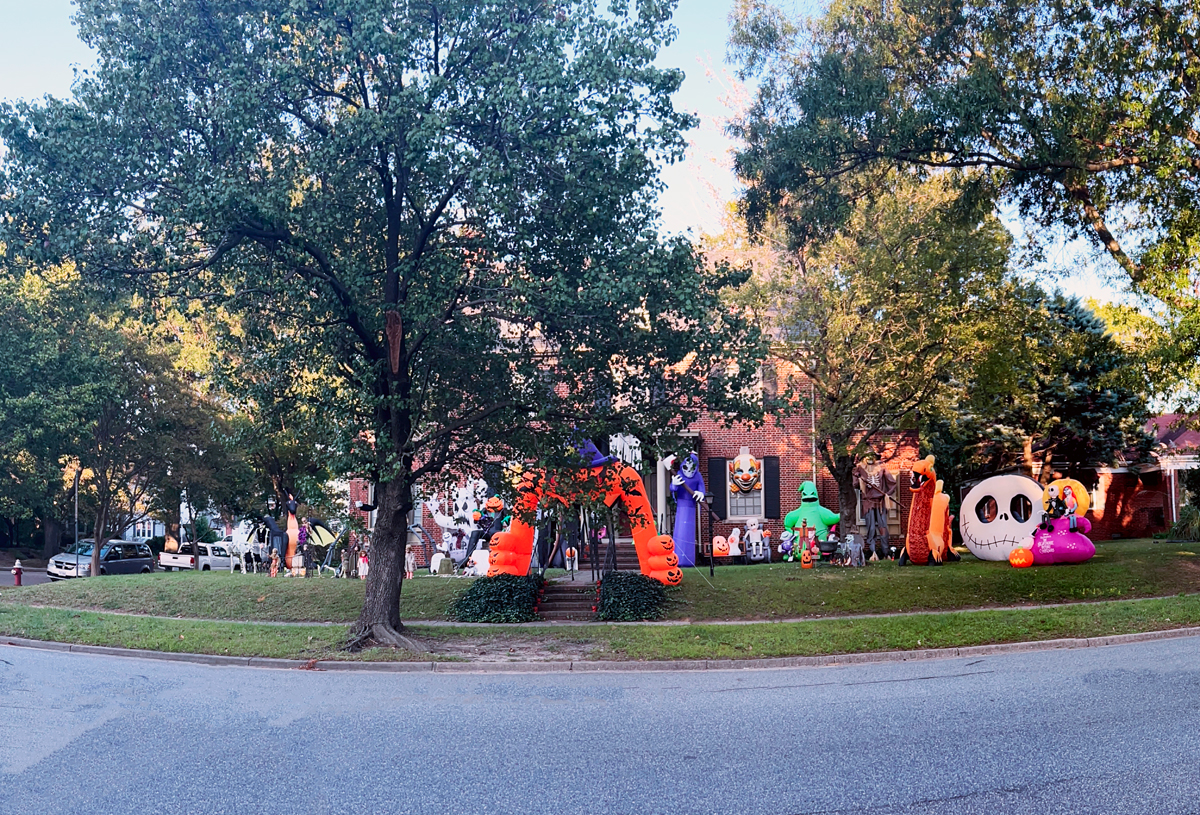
(440, 213)
(1082, 113)
(875, 319)
(1051, 384)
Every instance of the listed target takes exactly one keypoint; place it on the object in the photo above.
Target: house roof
(1175, 431)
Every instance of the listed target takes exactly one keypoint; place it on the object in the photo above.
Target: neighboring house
(1139, 499)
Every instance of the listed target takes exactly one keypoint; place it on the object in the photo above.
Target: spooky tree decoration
(1000, 514)
(687, 487)
(599, 478)
(1061, 536)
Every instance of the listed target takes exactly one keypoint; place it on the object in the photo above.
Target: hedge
(505, 598)
(630, 596)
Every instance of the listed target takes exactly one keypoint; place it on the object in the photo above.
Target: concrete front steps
(567, 600)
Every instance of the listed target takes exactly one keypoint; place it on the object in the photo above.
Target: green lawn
(232, 609)
(226, 596)
(1120, 570)
(612, 642)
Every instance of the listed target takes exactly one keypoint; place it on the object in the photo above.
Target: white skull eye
(1021, 508)
(986, 509)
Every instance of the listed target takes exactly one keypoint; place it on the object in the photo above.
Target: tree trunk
(843, 473)
(51, 537)
(380, 617)
(98, 537)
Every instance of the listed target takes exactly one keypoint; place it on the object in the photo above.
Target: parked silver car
(117, 557)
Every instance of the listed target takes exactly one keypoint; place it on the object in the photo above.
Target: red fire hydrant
(16, 572)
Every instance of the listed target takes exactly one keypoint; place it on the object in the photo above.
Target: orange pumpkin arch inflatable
(512, 550)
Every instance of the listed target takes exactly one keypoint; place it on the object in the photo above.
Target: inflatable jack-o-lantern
(720, 547)
(1020, 558)
(806, 558)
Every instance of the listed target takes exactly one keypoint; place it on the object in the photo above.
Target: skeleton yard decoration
(1000, 514)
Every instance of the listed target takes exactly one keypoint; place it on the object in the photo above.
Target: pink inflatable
(1060, 545)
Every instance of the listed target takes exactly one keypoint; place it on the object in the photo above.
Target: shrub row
(504, 598)
(630, 596)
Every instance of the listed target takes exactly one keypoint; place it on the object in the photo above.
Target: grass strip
(1121, 570)
(185, 636)
(611, 642)
(226, 596)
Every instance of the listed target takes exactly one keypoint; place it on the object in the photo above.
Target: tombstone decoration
(1000, 514)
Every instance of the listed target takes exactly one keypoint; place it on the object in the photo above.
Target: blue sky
(39, 51)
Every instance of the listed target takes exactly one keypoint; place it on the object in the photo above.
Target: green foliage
(1081, 112)
(1188, 525)
(1080, 115)
(433, 225)
(870, 321)
(204, 530)
(1050, 382)
(630, 596)
(504, 598)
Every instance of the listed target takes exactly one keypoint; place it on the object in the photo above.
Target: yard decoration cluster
(628, 596)
(504, 598)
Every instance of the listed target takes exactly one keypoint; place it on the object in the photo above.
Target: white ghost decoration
(1000, 514)
(467, 500)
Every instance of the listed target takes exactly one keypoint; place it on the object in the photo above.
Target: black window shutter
(771, 486)
(717, 472)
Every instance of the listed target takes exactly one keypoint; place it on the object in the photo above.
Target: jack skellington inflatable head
(1000, 514)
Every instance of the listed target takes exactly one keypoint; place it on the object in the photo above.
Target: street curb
(596, 666)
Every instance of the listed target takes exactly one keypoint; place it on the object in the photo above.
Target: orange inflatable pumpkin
(1020, 558)
(806, 559)
(720, 547)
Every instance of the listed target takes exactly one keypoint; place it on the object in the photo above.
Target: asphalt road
(1099, 730)
(29, 577)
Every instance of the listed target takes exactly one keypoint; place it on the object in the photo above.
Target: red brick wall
(791, 439)
(1134, 506)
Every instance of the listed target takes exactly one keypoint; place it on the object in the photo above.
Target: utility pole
(78, 472)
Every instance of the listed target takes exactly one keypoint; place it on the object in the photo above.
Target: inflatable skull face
(1000, 514)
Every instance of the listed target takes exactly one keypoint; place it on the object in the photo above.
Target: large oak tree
(1083, 113)
(440, 211)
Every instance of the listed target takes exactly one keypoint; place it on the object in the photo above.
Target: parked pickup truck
(212, 556)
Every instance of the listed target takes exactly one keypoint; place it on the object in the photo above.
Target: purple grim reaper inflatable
(688, 489)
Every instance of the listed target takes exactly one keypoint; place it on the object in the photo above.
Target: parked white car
(117, 557)
(212, 556)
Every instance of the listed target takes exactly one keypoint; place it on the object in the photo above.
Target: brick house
(786, 447)
(1139, 499)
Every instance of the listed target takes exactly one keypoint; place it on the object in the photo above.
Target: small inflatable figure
(1062, 535)
(735, 542)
